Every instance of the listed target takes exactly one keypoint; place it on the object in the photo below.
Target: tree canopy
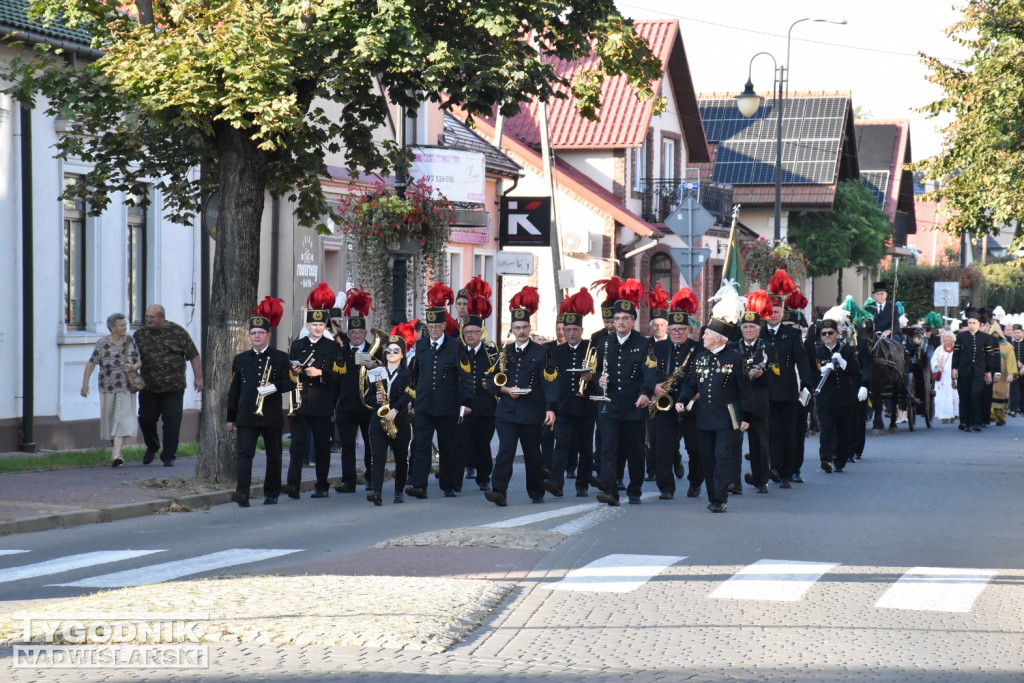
(981, 165)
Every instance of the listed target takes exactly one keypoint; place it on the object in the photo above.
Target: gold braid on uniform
(652, 360)
(550, 371)
(464, 359)
(340, 369)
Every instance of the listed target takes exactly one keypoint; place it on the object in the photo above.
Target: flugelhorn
(589, 365)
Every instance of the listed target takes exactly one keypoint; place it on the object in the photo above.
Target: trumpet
(589, 365)
(264, 381)
(295, 396)
(390, 430)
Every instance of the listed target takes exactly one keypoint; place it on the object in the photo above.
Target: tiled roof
(14, 18)
(458, 136)
(884, 146)
(571, 179)
(624, 119)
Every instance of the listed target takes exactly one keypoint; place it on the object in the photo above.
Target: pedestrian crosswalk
(772, 580)
(937, 589)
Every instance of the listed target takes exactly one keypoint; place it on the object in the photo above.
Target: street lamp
(749, 101)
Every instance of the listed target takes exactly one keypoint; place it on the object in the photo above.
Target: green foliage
(1004, 285)
(916, 287)
(982, 160)
(853, 233)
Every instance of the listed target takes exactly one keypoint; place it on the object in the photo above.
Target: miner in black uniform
(657, 303)
(476, 429)
(526, 402)
(547, 436)
(718, 388)
(575, 412)
(1017, 388)
(788, 358)
(314, 361)
(837, 397)
(351, 414)
(387, 385)
(757, 368)
(259, 378)
(973, 364)
(627, 365)
(441, 387)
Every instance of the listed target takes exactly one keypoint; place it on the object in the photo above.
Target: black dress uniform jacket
(527, 370)
(758, 354)
(840, 389)
(671, 356)
(975, 353)
(347, 387)
(317, 392)
(788, 357)
(440, 385)
(482, 402)
(247, 371)
(630, 374)
(720, 381)
(567, 383)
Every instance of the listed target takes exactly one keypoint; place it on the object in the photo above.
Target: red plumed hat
(479, 287)
(796, 301)
(480, 306)
(407, 331)
(451, 325)
(781, 285)
(271, 309)
(632, 290)
(527, 298)
(440, 295)
(610, 287)
(686, 301)
(582, 302)
(359, 300)
(760, 302)
(657, 298)
(321, 298)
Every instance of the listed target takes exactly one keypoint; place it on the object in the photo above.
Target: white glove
(827, 366)
(266, 390)
(839, 360)
(862, 394)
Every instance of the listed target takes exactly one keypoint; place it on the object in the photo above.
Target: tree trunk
(839, 288)
(236, 270)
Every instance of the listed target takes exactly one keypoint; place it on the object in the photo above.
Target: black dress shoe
(552, 488)
(580, 493)
(749, 478)
(795, 478)
(649, 477)
(761, 488)
(962, 427)
(399, 498)
(448, 493)
(975, 428)
(717, 507)
(693, 492)
(608, 500)
(496, 498)
(290, 490)
(270, 500)
(170, 463)
(839, 469)
(545, 473)
(735, 489)
(595, 481)
(827, 466)
(634, 500)
(148, 457)
(538, 499)
(619, 485)
(774, 475)
(678, 470)
(346, 488)
(784, 484)
(240, 498)
(485, 487)
(415, 492)
(668, 495)
(377, 499)
(319, 494)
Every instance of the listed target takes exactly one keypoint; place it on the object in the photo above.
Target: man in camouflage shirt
(165, 347)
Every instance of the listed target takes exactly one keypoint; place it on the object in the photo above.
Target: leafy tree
(243, 89)
(981, 164)
(855, 232)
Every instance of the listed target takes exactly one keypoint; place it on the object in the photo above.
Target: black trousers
(858, 427)
(425, 426)
(473, 446)
(663, 434)
(719, 449)
(303, 427)
(688, 429)
(1015, 391)
(834, 438)
(154, 406)
(547, 447)
(971, 388)
(574, 440)
(758, 435)
(379, 452)
(348, 424)
(786, 429)
(510, 435)
(246, 449)
(622, 439)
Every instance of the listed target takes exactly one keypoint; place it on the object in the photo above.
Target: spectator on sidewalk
(115, 355)
(947, 401)
(164, 347)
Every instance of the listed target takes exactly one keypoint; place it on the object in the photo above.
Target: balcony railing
(662, 195)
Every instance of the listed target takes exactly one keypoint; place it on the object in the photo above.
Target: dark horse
(887, 381)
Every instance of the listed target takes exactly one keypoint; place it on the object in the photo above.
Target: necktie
(436, 346)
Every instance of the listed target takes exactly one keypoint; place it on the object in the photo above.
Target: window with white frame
(74, 261)
(639, 167)
(137, 249)
(668, 158)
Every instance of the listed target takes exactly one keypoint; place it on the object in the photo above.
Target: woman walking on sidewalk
(116, 355)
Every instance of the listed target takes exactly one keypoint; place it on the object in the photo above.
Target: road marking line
(157, 573)
(12, 552)
(614, 573)
(63, 564)
(936, 589)
(542, 516)
(779, 580)
(587, 521)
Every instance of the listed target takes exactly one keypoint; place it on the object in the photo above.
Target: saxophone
(390, 430)
(664, 403)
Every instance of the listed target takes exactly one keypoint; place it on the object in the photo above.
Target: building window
(136, 261)
(661, 272)
(74, 257)
(668, 159)
(639, 167)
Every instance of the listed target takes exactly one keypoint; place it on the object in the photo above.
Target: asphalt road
(908, 566)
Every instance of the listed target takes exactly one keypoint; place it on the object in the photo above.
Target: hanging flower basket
(762, 257)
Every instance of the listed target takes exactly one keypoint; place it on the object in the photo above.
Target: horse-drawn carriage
(901, 379)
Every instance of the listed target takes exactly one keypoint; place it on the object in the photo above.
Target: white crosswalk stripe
(12, 552)
(63, 564)
(157, 573)
(936, 589)
(542, 516)
(615, 573)
(779, 580)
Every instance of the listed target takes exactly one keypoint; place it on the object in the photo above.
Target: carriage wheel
(912, 398)
(927, 395)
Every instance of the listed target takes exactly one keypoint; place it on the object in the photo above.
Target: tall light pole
(749, 101)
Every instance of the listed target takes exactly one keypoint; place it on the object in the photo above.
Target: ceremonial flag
(733, 268)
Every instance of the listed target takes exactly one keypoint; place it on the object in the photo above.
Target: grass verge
(94, 457)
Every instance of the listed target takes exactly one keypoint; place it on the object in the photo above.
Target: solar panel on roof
(878, 183)
(811, 138)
